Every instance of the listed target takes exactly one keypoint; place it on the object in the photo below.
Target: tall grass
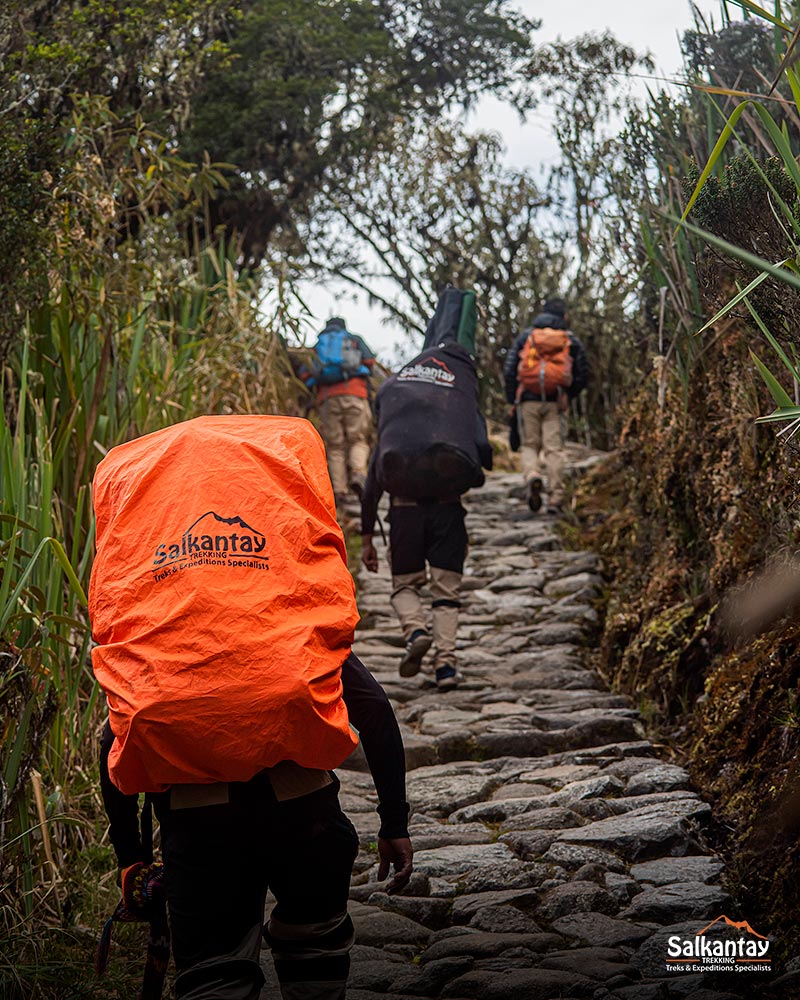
(48, 693)
(779, 139)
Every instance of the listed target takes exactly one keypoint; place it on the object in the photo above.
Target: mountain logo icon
(739, 925)
(223, 520)
(441, 364)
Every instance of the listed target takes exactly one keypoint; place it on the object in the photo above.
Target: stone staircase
(556, 849)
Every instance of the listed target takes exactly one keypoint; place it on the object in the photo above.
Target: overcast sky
(653, 27)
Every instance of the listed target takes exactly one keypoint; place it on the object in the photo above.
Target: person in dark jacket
(224, 845)
(540, 415)
(427, 534)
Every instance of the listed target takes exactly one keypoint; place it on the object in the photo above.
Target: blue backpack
(340, 358)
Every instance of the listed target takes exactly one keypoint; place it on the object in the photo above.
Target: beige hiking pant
(541, 430)
(345, 424)
(407, 603)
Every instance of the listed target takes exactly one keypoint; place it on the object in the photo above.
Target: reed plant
(773, 117)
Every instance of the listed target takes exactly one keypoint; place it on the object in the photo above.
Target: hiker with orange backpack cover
(223, 614)
(544, 369)
(218, 934)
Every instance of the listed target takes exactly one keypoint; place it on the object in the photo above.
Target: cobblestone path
(555, 849)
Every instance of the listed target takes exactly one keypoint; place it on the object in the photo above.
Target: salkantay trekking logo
(210, 544)
(717, 948)
(440, 375)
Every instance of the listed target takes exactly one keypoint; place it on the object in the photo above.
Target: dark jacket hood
(550, 321)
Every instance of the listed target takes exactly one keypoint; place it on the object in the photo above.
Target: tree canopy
(144, 56)
(310, 87)
(290, 95)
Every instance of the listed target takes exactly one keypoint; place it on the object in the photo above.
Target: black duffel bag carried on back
(432, 440)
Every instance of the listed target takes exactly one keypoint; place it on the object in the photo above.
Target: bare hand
(398, 853)
(368, 554)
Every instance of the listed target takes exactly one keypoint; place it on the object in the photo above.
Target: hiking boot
(535, 494)
(416, 648)
(555, 509)
(447, 677)
(357, 484)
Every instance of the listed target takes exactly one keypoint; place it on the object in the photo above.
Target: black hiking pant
(433, 534)
(421, 532)
(219, 861)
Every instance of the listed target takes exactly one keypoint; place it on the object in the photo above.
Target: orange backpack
(220, 602)
(545, 363)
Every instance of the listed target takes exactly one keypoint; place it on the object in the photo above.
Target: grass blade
(753, 8)
(778, 393)
(721, 142)
(737, 299)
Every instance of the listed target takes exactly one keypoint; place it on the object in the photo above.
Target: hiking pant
(541, 430)
(345, 424)
(219, 861)
(432, 533)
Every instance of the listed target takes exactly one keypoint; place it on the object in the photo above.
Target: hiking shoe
(416, 648)
(357, 484)
(447, 677)
(555, 509)
(535, 494)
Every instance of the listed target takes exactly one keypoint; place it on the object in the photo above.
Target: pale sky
(646, 27)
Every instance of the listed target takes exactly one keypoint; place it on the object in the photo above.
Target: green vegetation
(167, 172)
(699, 499)
(308, 89)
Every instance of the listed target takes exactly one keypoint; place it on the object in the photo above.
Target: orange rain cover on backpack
(545, 363)
(220, 602)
